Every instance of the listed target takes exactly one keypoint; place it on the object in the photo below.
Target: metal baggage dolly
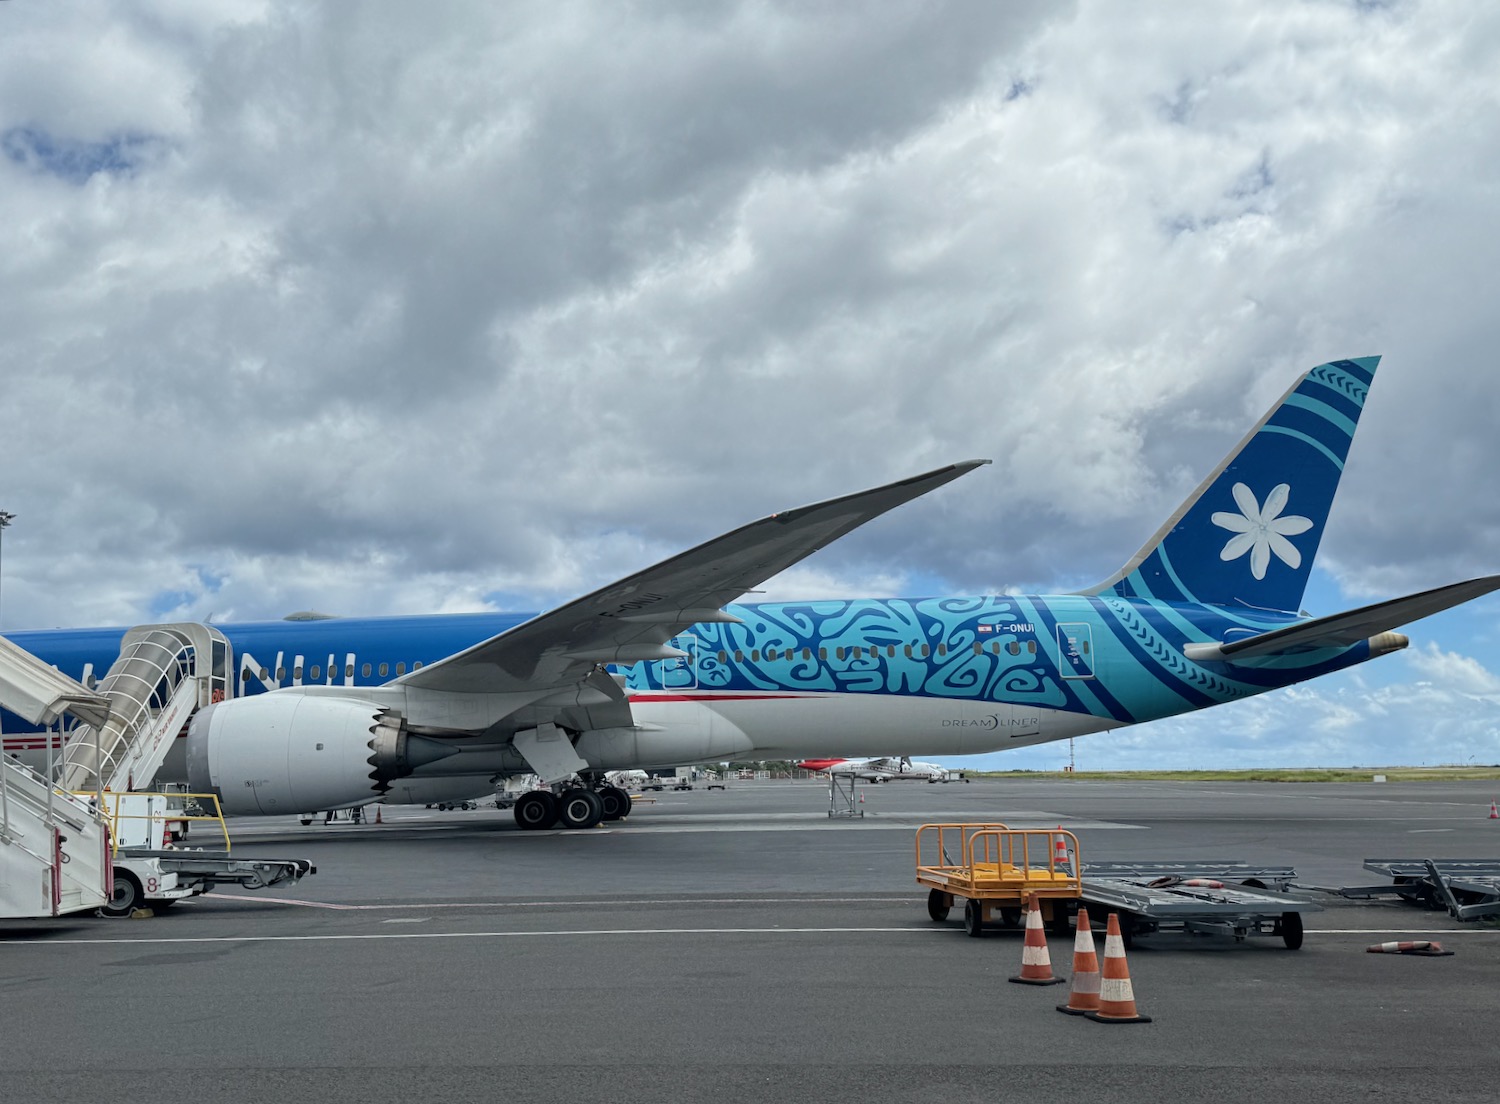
(1469, 889)
(991, 866)
(1187, 901)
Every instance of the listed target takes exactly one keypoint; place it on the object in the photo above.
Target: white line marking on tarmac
(566, 933)
(1426, 831)
(595, 932)
(247, 899)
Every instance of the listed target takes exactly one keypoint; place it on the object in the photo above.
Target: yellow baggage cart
(992, 867)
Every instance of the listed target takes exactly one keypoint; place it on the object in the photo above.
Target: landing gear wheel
(537, 809)
(1291, 930)
(578, 808)
(127, 895)
(938, 904)
(616, 802)
(973, 918)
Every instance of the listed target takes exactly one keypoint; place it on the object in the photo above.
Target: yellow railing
(109, 806)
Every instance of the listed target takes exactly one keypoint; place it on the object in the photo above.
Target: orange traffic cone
(377, 814)
(166, 835)
(1084, 996)
(1494, 811)
(1116, 998)
(1059, 849)
(1036, 962)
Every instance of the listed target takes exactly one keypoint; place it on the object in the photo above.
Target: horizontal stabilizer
(1344, 629)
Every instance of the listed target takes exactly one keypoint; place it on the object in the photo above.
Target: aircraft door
(680, 673)
(1075, 646)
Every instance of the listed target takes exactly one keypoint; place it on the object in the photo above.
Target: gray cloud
(384, 309)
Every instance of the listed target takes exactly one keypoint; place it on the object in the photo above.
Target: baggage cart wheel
(1291, 930)
(1059, 924)
(938, 904)
(1010, 917)
(973, 918)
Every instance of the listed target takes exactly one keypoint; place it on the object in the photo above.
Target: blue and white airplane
(664, 668)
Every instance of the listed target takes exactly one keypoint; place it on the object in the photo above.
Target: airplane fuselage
(935, 676)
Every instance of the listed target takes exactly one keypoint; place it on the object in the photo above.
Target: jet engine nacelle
(290, 752)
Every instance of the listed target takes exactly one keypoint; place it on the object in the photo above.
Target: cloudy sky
(395, 308)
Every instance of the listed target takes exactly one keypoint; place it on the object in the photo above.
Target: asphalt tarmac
(740, 945)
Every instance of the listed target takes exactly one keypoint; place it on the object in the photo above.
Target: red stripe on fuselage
(709, 695)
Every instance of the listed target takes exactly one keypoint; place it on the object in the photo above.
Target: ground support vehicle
(1467, 888)
(148, 872)
(992, 868)
(1193, 898)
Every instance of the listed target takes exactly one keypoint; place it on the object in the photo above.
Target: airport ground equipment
(54, 847)
(992, 867)
(1191, 901)
(844, 800)
(1256, 876)
(1468, 889)
(149, 873)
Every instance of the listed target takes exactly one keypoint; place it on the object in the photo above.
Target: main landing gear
(573, 807)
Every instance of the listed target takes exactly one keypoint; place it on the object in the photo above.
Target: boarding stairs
(54, 847)
(163, 675)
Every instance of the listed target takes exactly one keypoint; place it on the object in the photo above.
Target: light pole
(6, 517)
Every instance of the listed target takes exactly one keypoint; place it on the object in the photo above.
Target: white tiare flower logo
(1261, 530)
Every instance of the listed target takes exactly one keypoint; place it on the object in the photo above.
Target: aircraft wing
(1343, 629)
(632, 619)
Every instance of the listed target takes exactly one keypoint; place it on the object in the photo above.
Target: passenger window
(754, 655)
(1031, 646)
(908, 651)
(823, 654)
(926, 650)
(859, 653)
(264, 675)
(890, 651)
(995, 647)
(384, 669)
(317, 672)
(839, 652)
(245, 675)
(1085, 647)
(297, 673)
(723, 657)
(280, 674)
(349, 670)
(942, 649)
(978, 648)
(1014, 647)
(806, 653)
(770, 654)
(401, 668)
(739, 656)
(417, 666)
(364, 672)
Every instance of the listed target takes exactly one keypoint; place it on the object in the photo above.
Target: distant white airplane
(883, 769)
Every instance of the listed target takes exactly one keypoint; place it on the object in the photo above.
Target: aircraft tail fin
(1248, 534)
